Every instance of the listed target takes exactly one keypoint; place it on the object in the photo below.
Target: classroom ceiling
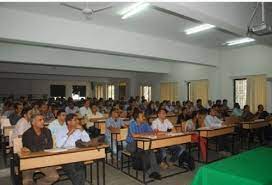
(151, 21)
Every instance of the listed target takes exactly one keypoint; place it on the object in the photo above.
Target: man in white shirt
(85, 110)
(66, 138)
(211, 120)
(162, 124)
(71, 108)
(23, 124)
(58, 123)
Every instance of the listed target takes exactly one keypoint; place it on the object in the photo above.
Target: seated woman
(247, 115)
(183, 115)
(197, 121)
(237, 112)
(139, 126)
(23, 124)
(113, 123)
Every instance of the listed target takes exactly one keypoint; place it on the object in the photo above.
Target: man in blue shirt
(113, 123)
(137, 127)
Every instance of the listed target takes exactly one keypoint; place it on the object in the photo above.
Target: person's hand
(25, 150)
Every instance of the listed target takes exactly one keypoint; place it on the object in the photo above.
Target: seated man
(261, 113)
(66, 138)
(58, 123)
(162, 124)
(113, 123)
(71, 108)
(139, 126)
(16, 115)
(211, 120)
(35, 139)
(247, 115)
(23, 124)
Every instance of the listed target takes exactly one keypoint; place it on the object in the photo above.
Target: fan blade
(101, 9)
(71, 6)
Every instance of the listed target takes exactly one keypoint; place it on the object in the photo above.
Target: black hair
(136, 113)
(60, 111)
(69, 117)
(25, 111)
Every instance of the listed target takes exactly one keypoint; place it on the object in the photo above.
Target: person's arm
(84, 136)
(49, 139)
(61, 138)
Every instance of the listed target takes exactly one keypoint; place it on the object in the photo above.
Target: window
(78, 92)
(189, 91)
(99, 91)
(240, 91)
(110, 91)
(122, 90)
(146, 92)
(57, 90)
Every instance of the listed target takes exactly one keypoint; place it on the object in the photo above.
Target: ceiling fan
(87, 11)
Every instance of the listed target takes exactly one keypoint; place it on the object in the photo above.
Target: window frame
(234, 88)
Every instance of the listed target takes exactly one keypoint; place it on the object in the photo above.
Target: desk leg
(20, 178)
(207, 148)
(117, 152)
(111, 148)
(248, 140)
(104, 174)
(97, 172)
(91, 173)
(232, 144)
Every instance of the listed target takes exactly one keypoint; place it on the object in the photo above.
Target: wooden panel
(172, 119)
(253, 125)
(101, 126)
(7, 130)
(122, 135)
(216, 132)
(60, 159)
(161, 143)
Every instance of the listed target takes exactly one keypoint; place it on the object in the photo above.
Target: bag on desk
(186, 161)
(93, 143)
(140, 160)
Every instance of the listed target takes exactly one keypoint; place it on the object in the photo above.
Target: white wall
(240, 62)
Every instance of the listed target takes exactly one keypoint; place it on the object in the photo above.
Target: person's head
(201, 115)
(213, 111)
(43, 108)
(138, 116)
(184, 110)
(27, 113)
(199, 102)
(114, 113)
(210, 102)
(218, 102)
(162, 113)
(37, 121)
(71, 120)
(194, 115)
(94, 108)
(260, 108)
(71, 104)
(18, 107)
(236, 105)
(246, 108)
(225, 102)
(86, 103)
(61, 115)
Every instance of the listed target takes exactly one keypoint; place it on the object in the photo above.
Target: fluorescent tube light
(199, 28)
(133, 9)
(239, 41)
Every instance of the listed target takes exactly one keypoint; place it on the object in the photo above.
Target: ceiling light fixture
(199, 28)
(133, 9)
(239, 41)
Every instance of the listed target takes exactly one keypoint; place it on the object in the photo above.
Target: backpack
(139, 158)
(186, 161)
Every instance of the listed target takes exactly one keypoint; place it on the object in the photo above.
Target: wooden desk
(149, 142)
(215, 133)
(36, 160)
(100, 124)
(117, 137)
(254, 124)
(209, 133)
